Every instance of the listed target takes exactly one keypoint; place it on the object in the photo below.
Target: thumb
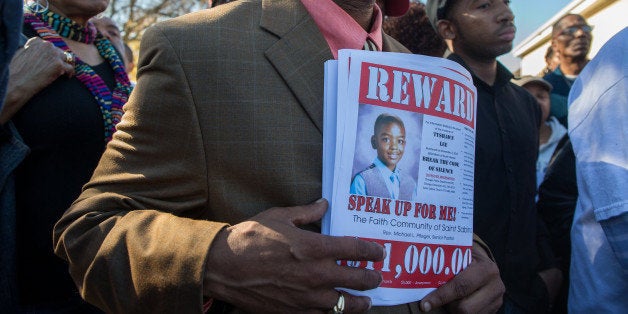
(302, 215)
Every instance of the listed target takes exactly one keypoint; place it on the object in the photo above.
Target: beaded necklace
(110, 103)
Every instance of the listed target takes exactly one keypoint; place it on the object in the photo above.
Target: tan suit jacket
(225, 122)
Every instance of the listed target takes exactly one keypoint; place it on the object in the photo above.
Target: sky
(529, 16)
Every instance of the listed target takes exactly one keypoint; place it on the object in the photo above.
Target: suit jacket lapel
(299, 53)
(390, 44)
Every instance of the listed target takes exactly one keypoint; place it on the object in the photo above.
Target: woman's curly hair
(414, 31)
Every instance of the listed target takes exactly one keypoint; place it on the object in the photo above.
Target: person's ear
(555, 47)
(374, 141)
(446, 29)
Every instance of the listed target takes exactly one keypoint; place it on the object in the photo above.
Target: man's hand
(553, 279)
(477, 289)
(268, 264)
(32, 68)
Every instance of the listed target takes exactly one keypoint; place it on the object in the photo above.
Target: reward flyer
(399, 143)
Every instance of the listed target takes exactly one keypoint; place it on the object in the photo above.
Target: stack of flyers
(398, 161)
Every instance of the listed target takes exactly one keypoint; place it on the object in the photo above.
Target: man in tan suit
(199, 197)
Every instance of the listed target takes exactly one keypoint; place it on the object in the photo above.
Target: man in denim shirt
(598, 108)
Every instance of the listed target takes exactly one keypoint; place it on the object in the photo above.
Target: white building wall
(534, 62)
(608, 23)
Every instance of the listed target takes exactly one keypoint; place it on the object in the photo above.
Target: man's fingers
(457, 288)
(33, 41)
(353, 278)
(302, 215)
(356, 304)
(330, 249)
(494, 306)
(314, 245)
(445, 294)
(351, 304)
(480, 303)
(67, 68)
(476, 288)
(351, 249)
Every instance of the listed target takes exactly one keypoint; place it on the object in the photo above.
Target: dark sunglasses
(570, 31)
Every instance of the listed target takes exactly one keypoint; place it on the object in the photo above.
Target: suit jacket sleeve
(130, 239)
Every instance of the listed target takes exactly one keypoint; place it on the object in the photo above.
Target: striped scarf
(52, 27)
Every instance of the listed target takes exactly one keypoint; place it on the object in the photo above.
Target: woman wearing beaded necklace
(65, 96)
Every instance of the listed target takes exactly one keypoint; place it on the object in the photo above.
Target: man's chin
(504, 49)
(581, 53)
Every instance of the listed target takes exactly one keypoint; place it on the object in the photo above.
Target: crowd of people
(197, 188)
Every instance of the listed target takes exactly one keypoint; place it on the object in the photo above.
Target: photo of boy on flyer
(383, 178)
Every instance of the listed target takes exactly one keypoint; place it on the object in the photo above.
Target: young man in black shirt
(508, 120)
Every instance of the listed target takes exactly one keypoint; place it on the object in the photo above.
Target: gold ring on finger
(69, 57)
